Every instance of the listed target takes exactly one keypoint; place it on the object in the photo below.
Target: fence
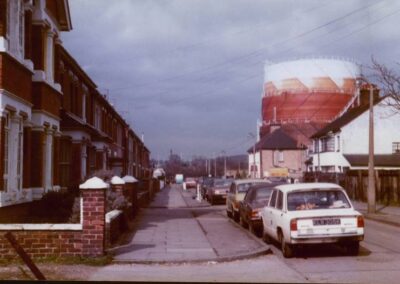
(387, 183)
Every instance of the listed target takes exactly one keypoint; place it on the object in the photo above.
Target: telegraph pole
(371, 166)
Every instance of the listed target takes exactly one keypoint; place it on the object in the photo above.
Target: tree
(389, 83)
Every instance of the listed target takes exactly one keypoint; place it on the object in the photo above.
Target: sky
(188, 74)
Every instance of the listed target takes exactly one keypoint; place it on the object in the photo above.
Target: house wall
(293, 160)
(355, 134)
(56, 128)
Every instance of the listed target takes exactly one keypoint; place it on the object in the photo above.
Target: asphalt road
(377, 262)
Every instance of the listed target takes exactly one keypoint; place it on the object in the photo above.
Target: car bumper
(318, 239)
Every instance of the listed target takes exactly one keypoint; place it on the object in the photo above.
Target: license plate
(323, 222)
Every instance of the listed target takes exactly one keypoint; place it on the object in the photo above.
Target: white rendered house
(343, 144)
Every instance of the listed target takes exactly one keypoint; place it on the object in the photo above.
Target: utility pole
(215, 165)
(371, 166)
(224, 153)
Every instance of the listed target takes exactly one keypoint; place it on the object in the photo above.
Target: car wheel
(242, 222)
(353, 248)
(212, 201)
(266, 238)
(254, 230)
(287, 249)
(228, 213)
(236, 216)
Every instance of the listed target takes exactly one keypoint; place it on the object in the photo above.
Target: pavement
(176, 228)
(385, 214)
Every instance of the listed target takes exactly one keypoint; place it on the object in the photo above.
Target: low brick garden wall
(85, 239)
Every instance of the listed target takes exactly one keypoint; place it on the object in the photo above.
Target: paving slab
(171, 230)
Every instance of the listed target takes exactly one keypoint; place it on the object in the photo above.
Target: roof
(384, 160)
(312, 185)
(277, 140)
(250, 180)
(345, 119)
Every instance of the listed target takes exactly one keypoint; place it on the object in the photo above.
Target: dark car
(250, 208)
(217, 193)
(207, 183)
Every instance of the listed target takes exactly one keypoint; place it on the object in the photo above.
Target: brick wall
(86, 239)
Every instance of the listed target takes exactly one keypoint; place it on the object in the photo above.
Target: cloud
(189, 73)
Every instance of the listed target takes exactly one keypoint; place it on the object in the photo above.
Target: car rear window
(317, 199)
(223, 183)
(244, 187)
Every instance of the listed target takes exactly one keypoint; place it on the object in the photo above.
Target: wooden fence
(387, 183)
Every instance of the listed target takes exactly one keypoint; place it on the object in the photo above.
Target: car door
(269, 211)
(277, 214)
(246, 204)
(229, 197)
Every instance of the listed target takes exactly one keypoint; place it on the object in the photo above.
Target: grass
(91, 261)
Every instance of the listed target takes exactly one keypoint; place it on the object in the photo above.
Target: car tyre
(242, 222)
(236, 216)
(228, 213)
(266, 238)
(287, 249)
(255, 231)
(353, 248)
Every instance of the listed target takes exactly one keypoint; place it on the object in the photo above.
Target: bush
(54, 207)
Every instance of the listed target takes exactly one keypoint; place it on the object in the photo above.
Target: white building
(343, 144)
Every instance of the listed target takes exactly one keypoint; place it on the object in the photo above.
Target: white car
(311, 213)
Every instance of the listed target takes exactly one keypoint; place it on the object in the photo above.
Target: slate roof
(343, 120)
(383, 160)
(277, 140)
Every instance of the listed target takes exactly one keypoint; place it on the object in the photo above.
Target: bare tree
(388, 81)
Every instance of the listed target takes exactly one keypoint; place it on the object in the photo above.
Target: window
(316, 144)
(19, 155)
(328, 144)
(278, 157)
(15, 27)
(396, 147)
(279, 202)
(273, 199)
(338, 143)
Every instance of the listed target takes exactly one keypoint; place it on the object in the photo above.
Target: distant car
(236, 194)
(217, 192)
(190, 182)
(179, 178)
(207, 183)
(250, 208)
(311, 213)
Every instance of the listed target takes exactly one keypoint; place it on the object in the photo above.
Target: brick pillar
(118, 185)
(131, 191)
(94, 207)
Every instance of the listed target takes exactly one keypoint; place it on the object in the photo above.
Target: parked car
(190, 182)
(236, 194)
(311, 213)
(217, 192)
(207, 183)
(255, 199)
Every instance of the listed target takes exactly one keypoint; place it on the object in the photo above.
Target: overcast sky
(189, 73)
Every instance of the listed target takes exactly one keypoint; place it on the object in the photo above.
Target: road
(377, 262)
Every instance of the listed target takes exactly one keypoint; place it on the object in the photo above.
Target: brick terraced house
(56, 128)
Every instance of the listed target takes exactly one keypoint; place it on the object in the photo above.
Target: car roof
(305, 186)
(242, 181)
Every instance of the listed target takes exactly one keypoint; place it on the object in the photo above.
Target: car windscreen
(317, 199)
